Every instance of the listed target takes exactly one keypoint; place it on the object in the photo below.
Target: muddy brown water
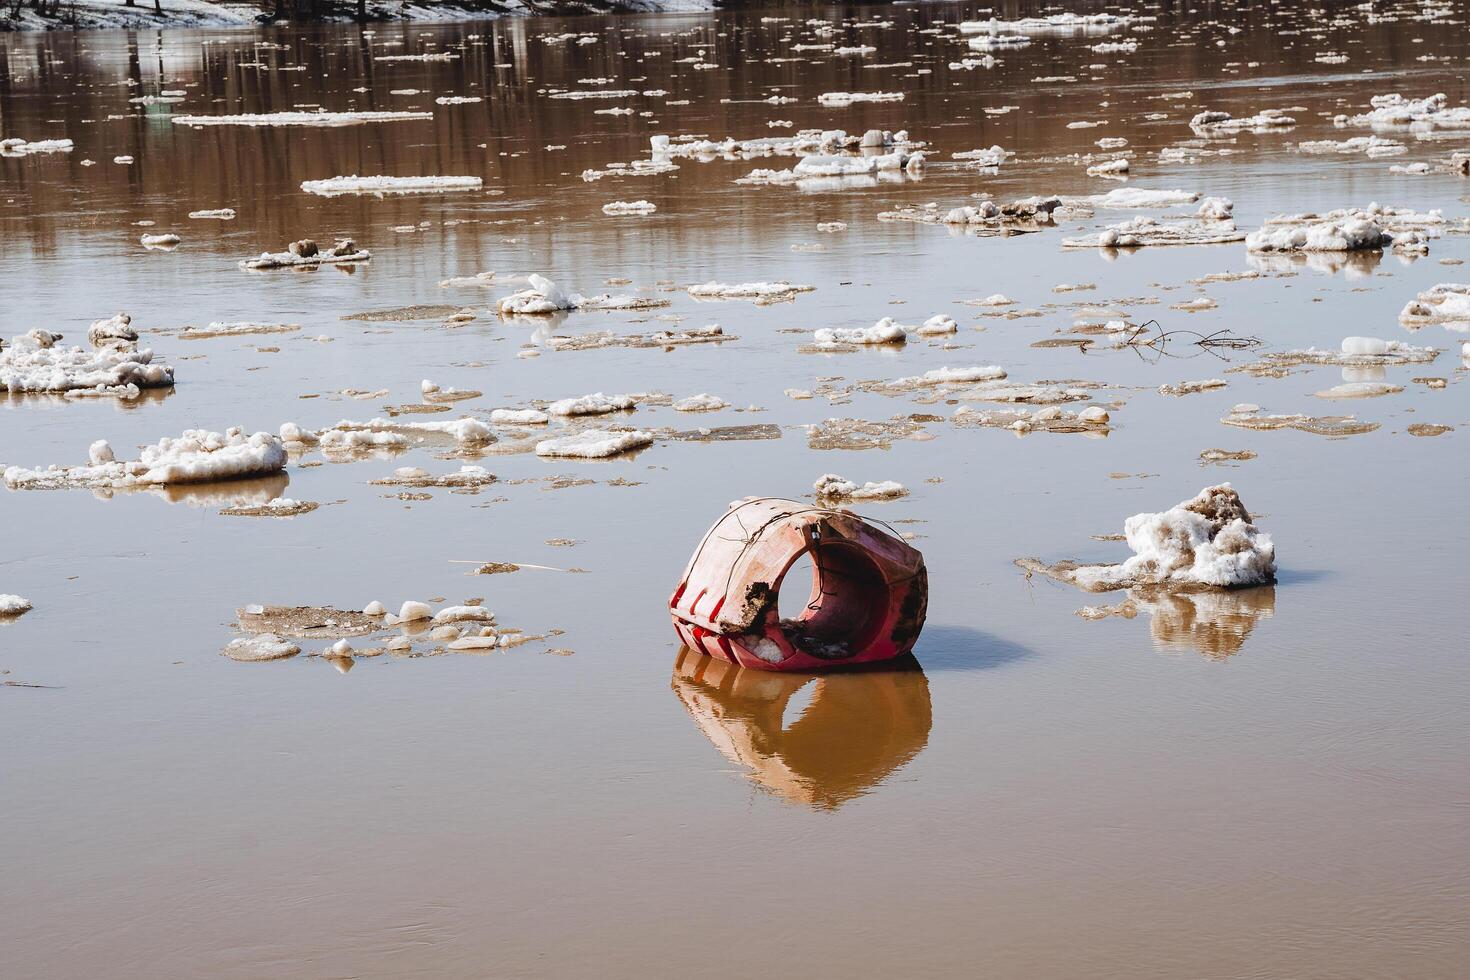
(1265, 784)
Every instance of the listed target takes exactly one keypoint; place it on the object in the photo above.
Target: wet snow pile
(986, 157)
(543, 297)
(832, 487)
(1207, 542)
(1446, 302)
(197, 456)
(594, 444)
(334, 186)
(885, 331)
(322, 118)
(115, 331)
(31, 363)
(306, 253)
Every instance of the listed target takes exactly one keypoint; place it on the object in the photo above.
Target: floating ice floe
(115, 331)
(1360, 389)
(830, 486)
(306, 253)
(167, 241)
(322, 118)
(1209, 541)
(999, 42)
(629, 207)
(458, 99)
(1349, 230)
(807, 142)
(12, 606)
(885, 331)
(1064, 23)
(1109, 168)
(519, 416)
(217, 214)
(1215, 123)
(28, 366)
(275, 507)
(667, 339)
(593, 404)
(1142, 230)
(543, 297)
(237, 329)
(1191, 387)
(985, 218)
(1354, 352)
(386, 433)
(760, 292)
(700, 403)
(1093, 420)
(1251, 417)
(260, 649)
(465, 478)
(1446, 303)
(1373, 146)
(16, 147)
(594, 444)
(197, 456)
(991, 156)
(850, 98)
(826, 166)
(1393, 110)
(334, 186)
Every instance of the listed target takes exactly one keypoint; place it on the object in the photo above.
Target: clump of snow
(1433, 112)
(594, 444)
(114, 331)
(197, 456)
(164, 241)
(333, 186)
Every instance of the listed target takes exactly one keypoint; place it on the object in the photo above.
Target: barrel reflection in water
(858, 726)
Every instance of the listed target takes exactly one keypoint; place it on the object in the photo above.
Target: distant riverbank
(147, 14)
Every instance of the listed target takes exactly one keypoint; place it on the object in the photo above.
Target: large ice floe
(306, 253)
(334, 186)
(1211, 226)
(1446, 303)
(322, 118)
(33, 364)
(1206, 542)
(1350, 230)
(390, 434)
(1393, 110)
(543, 297)
(197, 456)
(822, 169)
(805, 143)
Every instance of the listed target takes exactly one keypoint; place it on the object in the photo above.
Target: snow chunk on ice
(830, 486)
(13, 605)
(700, 403)
(593, 404)
(885, 331)
(26, 367)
